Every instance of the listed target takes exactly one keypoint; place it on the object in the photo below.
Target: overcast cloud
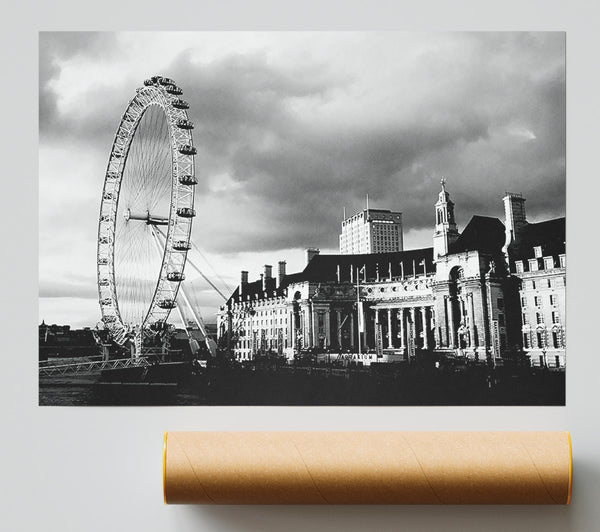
(292, 127)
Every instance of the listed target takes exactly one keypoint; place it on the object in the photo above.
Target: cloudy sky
(292, 127)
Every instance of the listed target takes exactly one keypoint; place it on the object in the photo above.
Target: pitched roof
(482, 233)
(550, 235)
(323, 268)
(255, 289)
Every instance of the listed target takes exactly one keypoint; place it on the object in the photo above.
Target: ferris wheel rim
(163, 93)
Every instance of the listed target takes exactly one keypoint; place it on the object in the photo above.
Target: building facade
(372, 231)
(475, 294)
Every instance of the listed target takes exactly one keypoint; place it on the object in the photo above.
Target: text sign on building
(496, 337)
(378, 339)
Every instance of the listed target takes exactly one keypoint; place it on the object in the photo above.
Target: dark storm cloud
(485, 110)
(490, 120)
(56, 48)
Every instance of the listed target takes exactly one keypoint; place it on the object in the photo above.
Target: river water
(284, 388)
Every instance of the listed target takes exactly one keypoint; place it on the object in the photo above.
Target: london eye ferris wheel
(146, 213)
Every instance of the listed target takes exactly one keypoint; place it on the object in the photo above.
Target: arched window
(541, 338)
(457, 274)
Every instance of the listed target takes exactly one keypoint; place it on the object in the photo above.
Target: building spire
(446, 231)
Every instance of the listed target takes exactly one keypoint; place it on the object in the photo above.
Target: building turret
(446, 232)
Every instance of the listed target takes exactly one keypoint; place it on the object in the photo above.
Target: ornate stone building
(476, 294)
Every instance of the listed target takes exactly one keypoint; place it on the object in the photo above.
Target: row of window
(272, 321)
(534, 264)
(539, 340)
(263, 344)
(539, 318)
(538, 300)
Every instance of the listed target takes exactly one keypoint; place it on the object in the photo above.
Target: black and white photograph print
(302, 218)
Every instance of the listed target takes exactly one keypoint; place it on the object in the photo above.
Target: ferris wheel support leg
(182, 321)
(198, 321)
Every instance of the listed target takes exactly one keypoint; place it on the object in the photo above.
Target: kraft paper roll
(367, 467)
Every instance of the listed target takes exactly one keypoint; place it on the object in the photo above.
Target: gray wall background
(98, 469)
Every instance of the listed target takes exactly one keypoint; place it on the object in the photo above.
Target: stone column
(401, 322)
(327, 325)
(425, 328)
(471, 319)
(338, 315)
(472, 327)
(389, 335)
(375, 327)
(413, 326)
(305, 328)
(451, 323)
(314, 327)
(292, 328)
(352, 344)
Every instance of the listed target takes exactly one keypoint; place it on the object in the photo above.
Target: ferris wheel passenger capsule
(182, 123)
(165, 81)
(181, 245)
(186, 212)
(175, 276)
(187, 149)
(188, 180)
(178, 103)
(167, 303)
(175, 90)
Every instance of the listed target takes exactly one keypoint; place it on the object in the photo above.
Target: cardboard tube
(367, 467)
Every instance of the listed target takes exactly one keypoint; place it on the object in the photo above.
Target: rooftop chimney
(280, 272)
(267, 274)
(515, 218)
(310, 253)
(243, 281)
(263, 281)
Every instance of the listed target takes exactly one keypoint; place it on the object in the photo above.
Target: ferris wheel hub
(150, 219)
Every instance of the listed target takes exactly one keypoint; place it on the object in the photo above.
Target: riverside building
(496, 290)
